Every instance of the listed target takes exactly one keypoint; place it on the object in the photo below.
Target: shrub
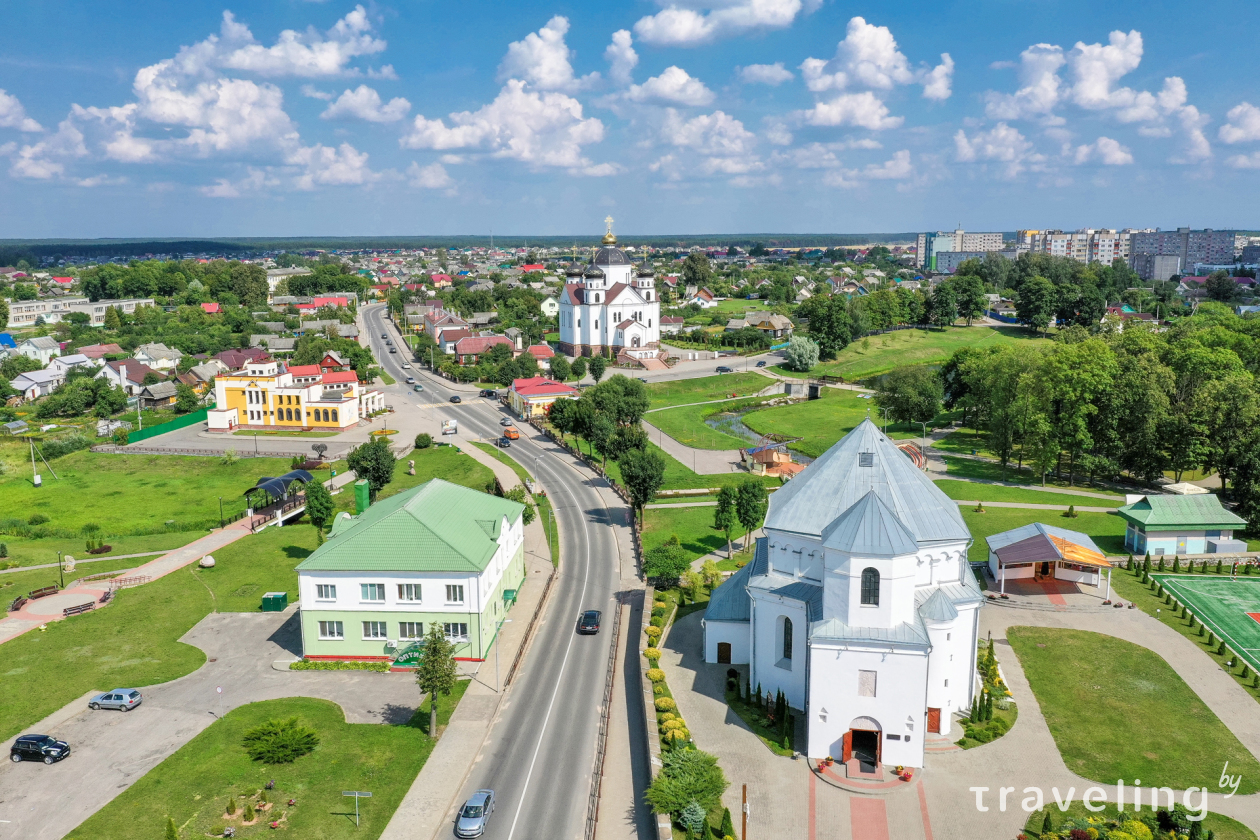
(664, 716)
(217, 830)
(658, 621)
(313, 665)
(231, 806)
(248, 815)
(665, 704)
(121, 437)
(4, 550)
(652, 653)
(424, 440)
(172, 833)
(673, 723)
(37, 519)
(653, 633)
(656, 675)
(686, 776)
(659, 605)
(279, 742)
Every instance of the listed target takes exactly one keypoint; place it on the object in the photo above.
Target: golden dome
(609, 237)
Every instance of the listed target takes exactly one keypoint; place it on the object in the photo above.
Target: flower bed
(993, 712)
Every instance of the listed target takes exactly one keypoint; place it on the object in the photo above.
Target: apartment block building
(1086, 245)
(1214, 247)
(940, 242)
(28, 313)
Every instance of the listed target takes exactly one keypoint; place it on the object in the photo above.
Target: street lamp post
(885, 413)
(61, 574)
(220, 511)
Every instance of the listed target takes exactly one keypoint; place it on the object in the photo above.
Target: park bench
(42, 591)
(78, 608)
(17, 603)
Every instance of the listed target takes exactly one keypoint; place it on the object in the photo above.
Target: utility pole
(743, 829)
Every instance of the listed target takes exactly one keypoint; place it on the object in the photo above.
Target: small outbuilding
(1196, 524)
(1046, 552)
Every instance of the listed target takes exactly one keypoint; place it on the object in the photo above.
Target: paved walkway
(83, 560)
(700, 461)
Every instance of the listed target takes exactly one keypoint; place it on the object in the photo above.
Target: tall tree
(642, 470)
(597, 364)
(1038, 300)
(374, 462)
(1220, 286)
(944, 305)
(696, 270)
(186, 399)
(559, 366)
(437, 671)
(912, 393)
(724, 516)
(319, 506)
(750, 506)
(971, 296)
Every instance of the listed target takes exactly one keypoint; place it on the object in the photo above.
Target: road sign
(357, 794)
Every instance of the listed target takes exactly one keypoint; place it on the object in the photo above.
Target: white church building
(858, 603)
(610, 305)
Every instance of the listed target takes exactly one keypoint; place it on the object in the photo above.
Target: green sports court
(1229, 608)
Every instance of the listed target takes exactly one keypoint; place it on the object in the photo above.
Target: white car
(411, 380)
(406, 366)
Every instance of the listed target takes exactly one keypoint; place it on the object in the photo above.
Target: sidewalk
(700, 461)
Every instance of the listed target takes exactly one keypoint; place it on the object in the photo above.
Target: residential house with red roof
(127, 374)
(211, 308)
(469, 350)
(99, 351)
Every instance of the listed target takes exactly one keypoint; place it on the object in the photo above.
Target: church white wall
(769, 667)
(951, 665)
(897, 706)
(735, 633)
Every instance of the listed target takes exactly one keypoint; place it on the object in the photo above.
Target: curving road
(540, 753)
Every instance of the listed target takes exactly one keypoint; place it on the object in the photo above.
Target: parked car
(723, 369)
(456, 399)
(476, 812)
(411, 380)
(504, 443)
(418, 388)
(506, 421)
(123, 699)
(761, 363)
(489, 392)
(511, 433)
(43, 748)
(588, 622)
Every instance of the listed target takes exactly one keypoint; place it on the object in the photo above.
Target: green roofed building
(1182, 525)
(436, 553)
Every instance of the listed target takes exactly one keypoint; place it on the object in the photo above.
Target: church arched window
(787, 638)
(870, 587)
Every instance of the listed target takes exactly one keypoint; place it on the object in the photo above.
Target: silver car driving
(122, 699)
(476, 812)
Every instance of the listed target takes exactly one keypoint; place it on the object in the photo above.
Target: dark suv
(43, 748)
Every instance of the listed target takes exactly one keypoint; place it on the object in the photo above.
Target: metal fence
(198, 416)
(601, 742)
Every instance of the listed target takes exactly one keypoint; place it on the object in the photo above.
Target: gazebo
(1041, 551)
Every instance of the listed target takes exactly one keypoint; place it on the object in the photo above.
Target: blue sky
(283, 118)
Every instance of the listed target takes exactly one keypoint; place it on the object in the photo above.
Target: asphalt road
(540, 753)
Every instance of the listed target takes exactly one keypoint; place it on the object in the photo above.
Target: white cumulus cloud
(1039, 87)
(543, 60)
(13, 115)
(1002, 144)
(343, 165)
(688, 24)
(868, 57)
(765, 74)
(864, 110)
(673, 85)
(540, 129)
(431, 177)
(307, 54)
(364, 103)
(621, 57)
(1243, 125)
(1104, 150)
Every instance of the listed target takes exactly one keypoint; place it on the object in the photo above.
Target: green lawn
(694, 527)
(27, 552)
(13, 584)
(1222, 827)
(193, 785)
(131, 642)
(499, 455)
(965, 442)
(822, 422)
(679, 477)
(686, 425)
(1119, 711)
(705, 388)
(135, 494)
(262, 562)
(992, 471)
(435, 462)
(543, 503)
(969, 491)
(908, 347)
(1105, 529)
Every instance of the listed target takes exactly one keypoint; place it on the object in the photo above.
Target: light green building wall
(481, 626)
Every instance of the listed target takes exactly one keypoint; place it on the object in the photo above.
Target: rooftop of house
(540, 386)
(1168, 512)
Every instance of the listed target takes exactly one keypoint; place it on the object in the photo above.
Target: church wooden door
(724, 653)
(934, 721)
(847, 746)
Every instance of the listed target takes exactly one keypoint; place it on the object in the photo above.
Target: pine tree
(231, 806)
(1176, 565)
(1220, 649)
(728, 825)
(760, 705)
(975, 710)
(1047, 825)
(1161, 562)
(172, 833)
(1218, 567)
(1211, 639)
(1146, 564)
(1129, 566)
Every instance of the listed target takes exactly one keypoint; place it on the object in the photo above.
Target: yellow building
(266, 395)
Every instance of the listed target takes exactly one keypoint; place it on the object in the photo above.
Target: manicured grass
(909, 347)
(262, 562)
(755, 719)
(1129, 587)
(128, 494)
(193, 785)
(1119, 711)
(1105, 529)
(686, 425)
(822, 422)
(968, 491)
(705, 388)
(131, 642)
(680, 477)
(965, 442)
(498, 454)
(386, 378)
(446, 707)
(694, 527)
(13, 584)
(435, 462)
(37, 552)
(992, 471)
(1222, 826)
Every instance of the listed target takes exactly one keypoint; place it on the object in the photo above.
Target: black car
(384, 335)
(504, 443)
(723, 369)
(588, 622)
(489, 392)
(762, 363)
(456, 399)
(43, 748)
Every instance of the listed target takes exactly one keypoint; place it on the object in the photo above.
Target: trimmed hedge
(309, 665)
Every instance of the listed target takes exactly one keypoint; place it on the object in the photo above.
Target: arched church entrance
(862, 743)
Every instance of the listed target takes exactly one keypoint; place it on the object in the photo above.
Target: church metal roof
(839, 479)
(938, 607)
(907, 634)
(610, 256)
(869, 528)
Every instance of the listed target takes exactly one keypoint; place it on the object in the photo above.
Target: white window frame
(461, 634)
(377, 587)
(457, 589)
(336, 626)
(374, 626)
(419, 626)
(325, 592)
(405, 590)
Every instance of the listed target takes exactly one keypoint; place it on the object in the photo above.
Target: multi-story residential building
(30, 313)
(931, 244)
(1214, 247)
(1086, 245)
(436, 554)
(266, 395)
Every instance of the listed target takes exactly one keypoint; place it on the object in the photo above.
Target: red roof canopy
(335, 376)
(541, 386)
